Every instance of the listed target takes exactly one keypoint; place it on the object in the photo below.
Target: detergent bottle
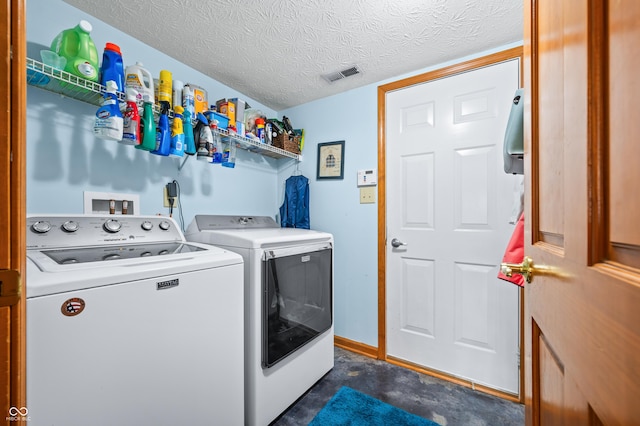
(108, 122)
(139, 78)
(163, 135)
(189, 141)
(131, 120)
(76, 45)
(148, 126)
(112, 68)
(177, 133)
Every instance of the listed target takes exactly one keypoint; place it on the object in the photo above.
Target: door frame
(13, 208)
(492, 59)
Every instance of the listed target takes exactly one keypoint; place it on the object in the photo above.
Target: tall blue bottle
(111, 67)
(163, 135)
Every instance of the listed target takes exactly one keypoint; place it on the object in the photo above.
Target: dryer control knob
(164, 225)
(112, 225)
(41, 226)
(146, 225)
(70, 226)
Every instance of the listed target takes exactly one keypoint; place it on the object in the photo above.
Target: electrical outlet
(166, 199)
(367, 194)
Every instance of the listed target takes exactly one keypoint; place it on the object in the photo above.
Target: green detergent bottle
(76, 45)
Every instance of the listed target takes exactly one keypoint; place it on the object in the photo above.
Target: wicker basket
(284, 141)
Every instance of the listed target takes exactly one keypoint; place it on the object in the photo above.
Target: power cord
(180, 216)
(175, 190)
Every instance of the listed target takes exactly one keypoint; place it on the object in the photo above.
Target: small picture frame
(330, 160)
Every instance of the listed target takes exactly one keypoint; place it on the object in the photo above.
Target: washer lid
(46, 276)
(209, 222)
(258, 233)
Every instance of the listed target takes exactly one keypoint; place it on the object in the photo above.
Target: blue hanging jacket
(294, 212)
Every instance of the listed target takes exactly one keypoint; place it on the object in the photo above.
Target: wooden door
(582, 317)
(12, 207)
(450, 203)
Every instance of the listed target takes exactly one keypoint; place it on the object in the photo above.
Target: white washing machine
(288, 307)
(129, 324)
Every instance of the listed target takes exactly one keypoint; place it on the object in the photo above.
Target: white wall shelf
(54, 80)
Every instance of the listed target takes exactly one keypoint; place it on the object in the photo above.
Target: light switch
(367, 194)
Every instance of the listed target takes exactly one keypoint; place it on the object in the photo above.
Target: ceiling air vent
(335, 76)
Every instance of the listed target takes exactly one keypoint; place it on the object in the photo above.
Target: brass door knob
(526, 269)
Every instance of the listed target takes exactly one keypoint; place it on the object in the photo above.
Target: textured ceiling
(276, 51)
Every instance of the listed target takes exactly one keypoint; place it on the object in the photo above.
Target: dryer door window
(297, 303)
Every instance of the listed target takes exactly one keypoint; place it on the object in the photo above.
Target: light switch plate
(367, 195)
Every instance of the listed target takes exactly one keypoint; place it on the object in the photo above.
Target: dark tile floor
(443, 402)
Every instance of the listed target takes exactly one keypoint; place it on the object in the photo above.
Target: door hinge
(10, 287)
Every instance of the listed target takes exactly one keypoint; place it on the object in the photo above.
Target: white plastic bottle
(139, 78)
(108, 123)
(188, 102)
(178, 86)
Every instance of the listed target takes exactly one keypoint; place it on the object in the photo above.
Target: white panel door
(450, 202)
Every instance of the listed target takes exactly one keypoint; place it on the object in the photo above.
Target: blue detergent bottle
(112, 68)
(163, 135)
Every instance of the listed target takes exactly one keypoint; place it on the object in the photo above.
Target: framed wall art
(330, 160)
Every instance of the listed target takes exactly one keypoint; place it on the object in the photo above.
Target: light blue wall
(335, 205)
(64, 159)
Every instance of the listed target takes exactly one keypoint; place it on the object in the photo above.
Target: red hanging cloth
(515, 252)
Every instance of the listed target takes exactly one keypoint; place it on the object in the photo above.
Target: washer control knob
(70, 226)
(146, 225)
(41, 227)
(164, 225)
(112, 226)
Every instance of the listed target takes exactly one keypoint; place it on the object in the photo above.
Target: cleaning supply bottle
(139, 78)
(165, 88)
(260, 129)
(112, 68)
(216, 146)
(163, 135)
(108, 122)
(189, 141)
(204, 139)
(229, 154)
(176, 98)
(131, 120)
(148, 126)
(188, 102)
(177, 133)
(76, 45)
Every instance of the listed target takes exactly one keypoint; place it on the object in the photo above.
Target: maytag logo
(163, 285)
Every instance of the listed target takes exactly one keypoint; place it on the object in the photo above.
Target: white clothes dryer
(129, 324)
(288, 307)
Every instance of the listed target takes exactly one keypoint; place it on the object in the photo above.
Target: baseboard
(372, 352)
(357, 347)
(453, 379)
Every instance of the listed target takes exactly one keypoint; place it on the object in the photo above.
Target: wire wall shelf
(66, 84)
